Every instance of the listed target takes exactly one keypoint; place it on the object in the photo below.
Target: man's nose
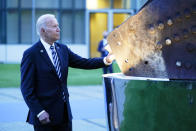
(58, 29)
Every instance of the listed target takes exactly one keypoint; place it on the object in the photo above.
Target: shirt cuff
(105, 62)
(40, 113)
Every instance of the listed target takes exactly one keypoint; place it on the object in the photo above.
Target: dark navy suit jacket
(41, 86)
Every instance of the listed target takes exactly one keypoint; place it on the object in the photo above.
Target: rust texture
(159, 41)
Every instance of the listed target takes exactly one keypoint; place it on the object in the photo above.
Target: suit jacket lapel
(45, 56)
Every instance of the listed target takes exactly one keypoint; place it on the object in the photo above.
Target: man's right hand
(44, 118)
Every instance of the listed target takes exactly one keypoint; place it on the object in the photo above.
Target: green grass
(10, 76)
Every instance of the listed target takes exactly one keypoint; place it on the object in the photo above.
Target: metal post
(110, 21)
(87, 30)
(73, 21)
(4, 16)
(19, 21)
(33, 21)
(1, 20)
(5, 28)
(59, 14)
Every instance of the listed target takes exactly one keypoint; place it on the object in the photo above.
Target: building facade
(82, 23)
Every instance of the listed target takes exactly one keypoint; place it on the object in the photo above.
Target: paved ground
(87, 103)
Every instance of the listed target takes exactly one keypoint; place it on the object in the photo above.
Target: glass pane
(98, 4)
(141, 3)
(118, 4)
(98, 24)
(42, 12)
(26, 27)
(12, 27)
(26, 3)
(39, 13)
(119, 19)
(67, 4)
(66, 28)
(80, 4)
(122, 4)
(127, 4)
(12, 3)
(46, 3)
(133, 4)
(79, 28)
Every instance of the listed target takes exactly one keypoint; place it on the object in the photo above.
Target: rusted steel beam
(159, 41)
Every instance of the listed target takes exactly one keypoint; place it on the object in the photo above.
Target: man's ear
(43, 30)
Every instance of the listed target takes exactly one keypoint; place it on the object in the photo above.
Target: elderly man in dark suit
(44, 70)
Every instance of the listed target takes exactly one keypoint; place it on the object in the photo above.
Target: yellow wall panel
(119, 19)
(98, 24)
(98, 4)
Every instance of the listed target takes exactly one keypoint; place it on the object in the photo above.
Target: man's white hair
(41, 22)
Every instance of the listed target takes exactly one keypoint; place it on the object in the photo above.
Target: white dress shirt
(47, 48)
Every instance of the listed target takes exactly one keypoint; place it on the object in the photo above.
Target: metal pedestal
(149, 104)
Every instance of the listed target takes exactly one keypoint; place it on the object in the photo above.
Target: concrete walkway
(87, 103)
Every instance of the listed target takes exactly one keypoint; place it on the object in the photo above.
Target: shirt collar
(45, 44)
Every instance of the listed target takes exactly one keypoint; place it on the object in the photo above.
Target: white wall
(2, 53)
(13, 53)
(80, 49)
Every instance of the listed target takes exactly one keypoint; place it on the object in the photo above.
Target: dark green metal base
(152, 105)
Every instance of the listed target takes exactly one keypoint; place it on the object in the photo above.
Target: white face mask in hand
(107, 47)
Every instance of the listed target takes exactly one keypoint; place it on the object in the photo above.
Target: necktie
(57, 67)
(56, 61)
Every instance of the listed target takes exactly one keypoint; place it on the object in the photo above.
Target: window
(46, 4)
(79, 4)
(12, 3)
(98, 4)
(12, 27)
(66, 4)
(26, 27)
(79, 28)
(26, 3)
(121, 4)
(18, 24)
(66, 28)
(106, 4)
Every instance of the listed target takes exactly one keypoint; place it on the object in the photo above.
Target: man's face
(52, 30)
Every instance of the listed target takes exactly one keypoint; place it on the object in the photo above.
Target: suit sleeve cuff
(40, 113)
(105, 62)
